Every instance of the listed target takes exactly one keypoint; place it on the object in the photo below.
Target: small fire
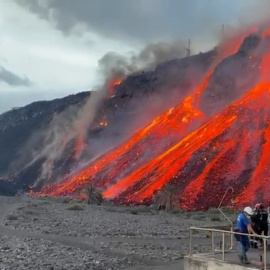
(113, 83)
(117, 82)
(102, 122)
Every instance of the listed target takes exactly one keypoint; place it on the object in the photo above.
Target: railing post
(213, 242)
(264, 254)
(223, 243)
(232, 237)
(223, 246)
(190, 242)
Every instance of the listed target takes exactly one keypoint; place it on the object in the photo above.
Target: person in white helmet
(243, 225)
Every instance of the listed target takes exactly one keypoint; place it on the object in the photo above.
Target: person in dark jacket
(259, 222)
(243, 225)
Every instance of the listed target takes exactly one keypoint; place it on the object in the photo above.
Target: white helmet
(248, 210)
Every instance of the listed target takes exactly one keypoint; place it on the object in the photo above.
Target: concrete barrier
(205, 263)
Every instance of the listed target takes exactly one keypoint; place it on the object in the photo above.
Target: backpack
(263, 216)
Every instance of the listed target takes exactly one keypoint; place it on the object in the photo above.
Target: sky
(51, 48)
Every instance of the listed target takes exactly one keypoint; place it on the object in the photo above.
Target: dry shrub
(92, 195)
(166, 198)
(75, 207)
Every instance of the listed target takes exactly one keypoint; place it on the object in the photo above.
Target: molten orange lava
(177, 121)
(200, 158)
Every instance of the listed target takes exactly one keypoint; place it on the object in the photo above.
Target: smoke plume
(116, 65)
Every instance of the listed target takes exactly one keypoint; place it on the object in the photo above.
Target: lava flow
(179, 147)
(128, 156)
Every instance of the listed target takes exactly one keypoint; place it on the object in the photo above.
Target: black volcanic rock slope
(173, 78)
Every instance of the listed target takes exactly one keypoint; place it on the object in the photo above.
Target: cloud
(58, 65)
(12, 79)
(61, 42)
(11, 96)
(146, 20)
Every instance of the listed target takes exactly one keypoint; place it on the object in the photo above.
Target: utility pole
(188, 48)
(223, 30)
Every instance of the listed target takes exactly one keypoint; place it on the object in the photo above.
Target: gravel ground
(99, 237)
(25, 253)
(52, 216)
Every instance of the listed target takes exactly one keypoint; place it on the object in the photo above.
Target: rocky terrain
(30, 122)
(56, 233)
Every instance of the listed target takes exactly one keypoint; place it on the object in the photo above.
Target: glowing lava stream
(258, 186)
(157, 172)
(112, 166)
(136, 188)
(170, 122)
(196, 193)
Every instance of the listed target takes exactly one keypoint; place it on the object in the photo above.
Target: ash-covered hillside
(29, 135)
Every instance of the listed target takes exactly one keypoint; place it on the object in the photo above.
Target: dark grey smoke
(116, 66)
(12, 79)
(156, 53)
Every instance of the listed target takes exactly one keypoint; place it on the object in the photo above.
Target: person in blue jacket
(243, 225)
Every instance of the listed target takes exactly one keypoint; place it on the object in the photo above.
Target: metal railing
(223, 214)
(223, 233)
